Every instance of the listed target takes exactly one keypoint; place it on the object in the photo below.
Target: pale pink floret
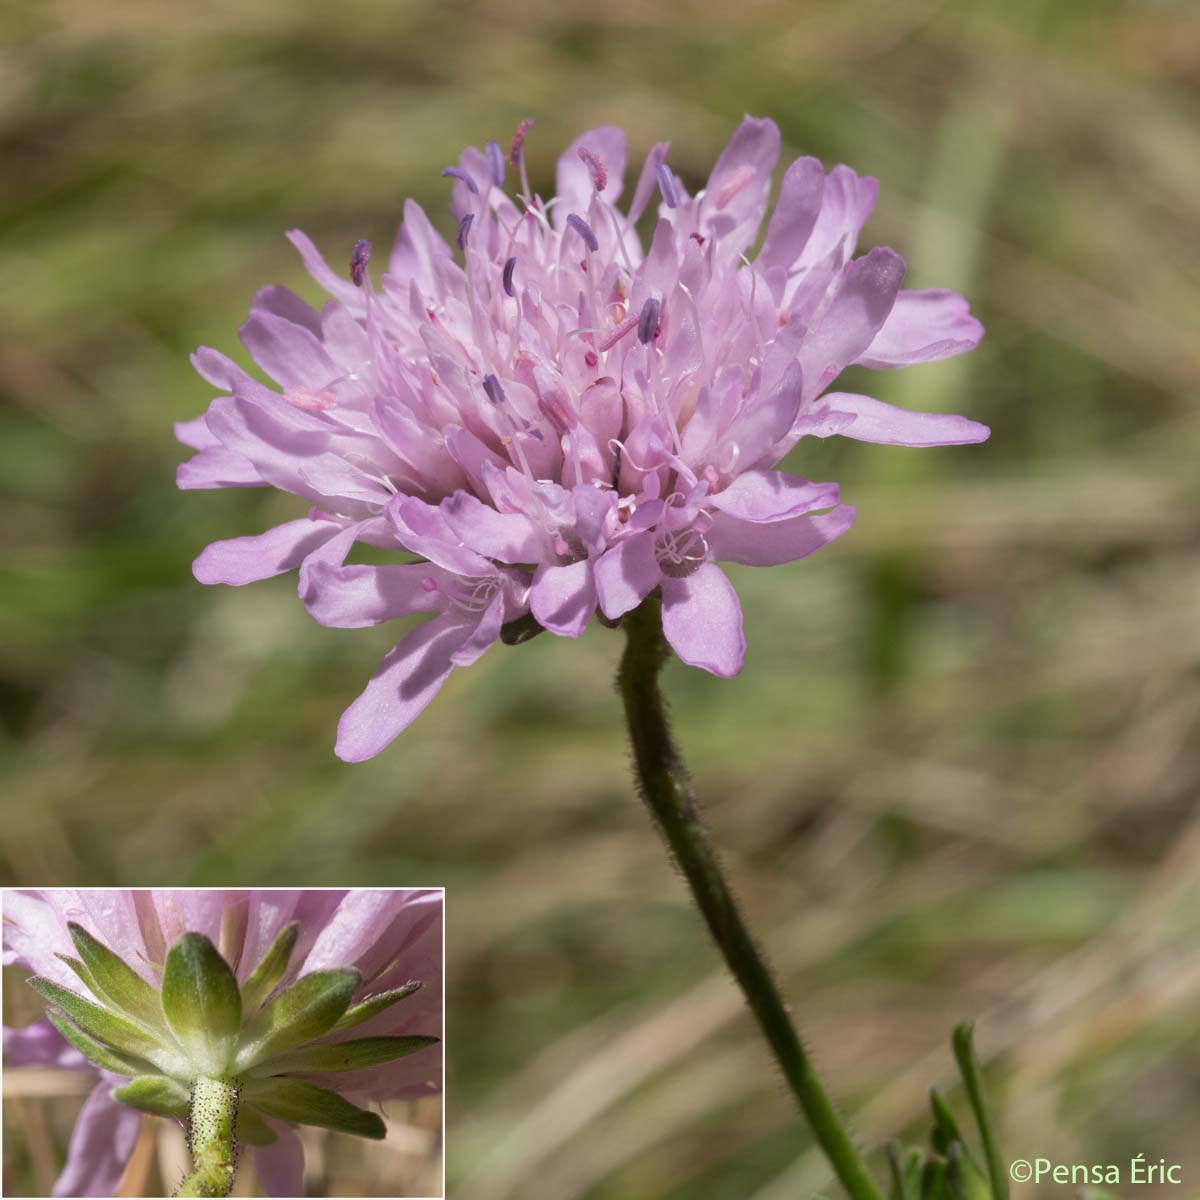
(579, 418)
(391, 936)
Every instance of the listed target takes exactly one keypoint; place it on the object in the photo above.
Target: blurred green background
(958, 775)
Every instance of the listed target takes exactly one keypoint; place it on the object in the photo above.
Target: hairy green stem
(665, 787)
(213, 1138)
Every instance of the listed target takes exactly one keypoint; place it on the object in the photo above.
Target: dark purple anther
(648, 321)
(359, 257)
(584, 230)
(495, 158)
(509, 267)
(462, 177)
(596, 168)
(519, 140)
(495, 393)
(463, 228)
(666, 184)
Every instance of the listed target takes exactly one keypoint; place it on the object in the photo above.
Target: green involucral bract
(270, 970)
(202, 1003)
(306, 1010)
(356, 1014)
(118, 983)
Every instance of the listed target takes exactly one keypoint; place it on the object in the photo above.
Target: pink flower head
(560, 421)
(390, 938)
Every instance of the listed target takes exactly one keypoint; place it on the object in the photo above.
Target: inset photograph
(208, 1042)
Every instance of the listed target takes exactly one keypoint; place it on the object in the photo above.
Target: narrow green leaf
(346, 1056)
(109, 1027)
(968, 1065)
(155, 1094)
(306, 1104)
(201, 1001)
(252, 1129)
(120, 984)
(96, 1052)
(270, 971)
(359, 1013)
(306, 1010)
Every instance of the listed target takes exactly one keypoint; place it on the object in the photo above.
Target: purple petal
(506, 537)
(922, 327)
(289, 353)
(773, 496)
(757, 544)
(702, 620)
(758, 429)
(627, 574)
(217, 368)
(424, 530)
(41, 1045)
(795, 214)
(563, 598)
(216, 467)
(358, 596)
(262, 556)
(280, 302)
(484, 635)
(847, 200)
(875, 421)
(377, 929)
(859, 308)
(190, 910)
(196, 433)
(101, 1143)
(268, 910)
(420, 252)
(35, 932)
(280, 1166)
(736, 195)
(322, 272)
(272, 435)
(573, 181)
(407, 679)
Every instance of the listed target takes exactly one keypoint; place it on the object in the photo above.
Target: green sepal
(945, 1128)
(359, 1013)
(306, 1104)
(964, 1180)
(345, 1056)
(155, 1094)
(933, 1179)
(95, 1052)
(109, 1027)
(270, 970)
(252, 1129)
(120, 984)
(306, 1010)
(521, 630)
(85, 976)
(201, 1001)
(914, 1165)
(898, 1188)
